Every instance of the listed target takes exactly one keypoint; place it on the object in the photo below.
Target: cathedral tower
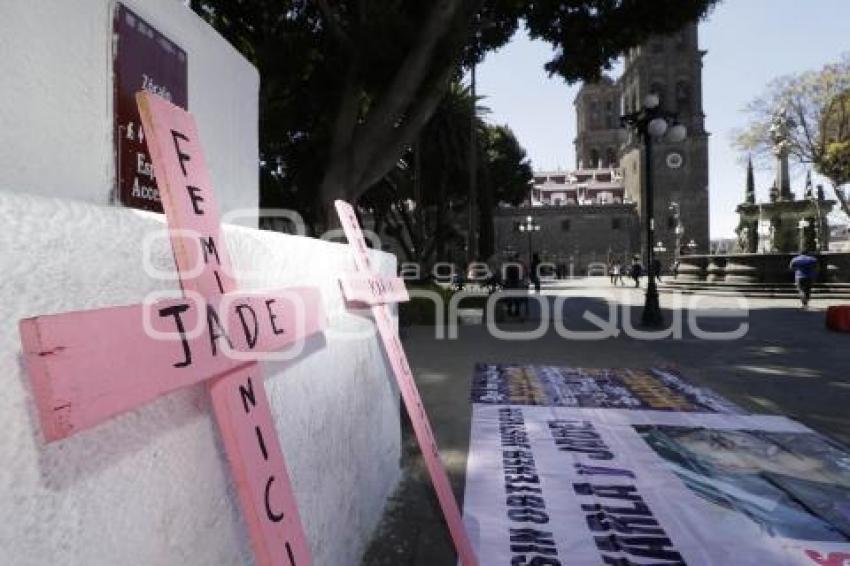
(671, 67)
(599, 135)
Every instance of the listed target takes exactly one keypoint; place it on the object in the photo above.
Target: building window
(565, 225)
(683, 96)
(594, 114)
(594, 158)
(616, 223)
(671, 222)
(611, 157)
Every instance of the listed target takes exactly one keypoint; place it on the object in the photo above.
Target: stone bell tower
(599, 135)
(671, 67)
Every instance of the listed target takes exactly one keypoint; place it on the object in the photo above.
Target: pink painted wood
(373, 290)
(88, 366)
(261, 476)
(409, 392)
(182, 177)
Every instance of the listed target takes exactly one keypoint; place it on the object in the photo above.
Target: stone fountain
(784, 224)
(770, 234)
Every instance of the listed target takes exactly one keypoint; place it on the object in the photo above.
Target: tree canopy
(346, 86)
(817, 104)
(834, 163)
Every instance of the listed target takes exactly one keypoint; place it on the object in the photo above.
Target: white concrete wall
(56, 90)
(152, 487)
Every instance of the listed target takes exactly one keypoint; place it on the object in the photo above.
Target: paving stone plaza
(787, 363)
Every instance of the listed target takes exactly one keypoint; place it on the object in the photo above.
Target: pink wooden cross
(377, 292)
(88, 366)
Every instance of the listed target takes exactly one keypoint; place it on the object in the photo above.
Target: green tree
(506, 175)
(835, 164)
(415, 201)
(423, 203)
(818, 105)
(347, 86)
(508, 167)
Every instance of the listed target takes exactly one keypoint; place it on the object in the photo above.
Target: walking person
(458, 281)
(619, 270)
(534, 272)
(804, 267)
(656, 269)
(612, 273)
(513, 281)
(636, 271)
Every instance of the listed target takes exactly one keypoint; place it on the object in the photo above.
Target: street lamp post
(677, 214)
(529, 227)
(652, 122)
(471, 241)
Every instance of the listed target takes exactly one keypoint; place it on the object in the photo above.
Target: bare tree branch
(810, 99)
(410, 75)
(803, 148)
(402, 136)
(347, 114)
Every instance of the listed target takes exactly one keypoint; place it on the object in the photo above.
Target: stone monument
(784, 224)
(770, 234)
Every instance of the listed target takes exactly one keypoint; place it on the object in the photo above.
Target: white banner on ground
(657, 388)
(550, 486)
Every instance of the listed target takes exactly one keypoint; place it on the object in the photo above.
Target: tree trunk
(333, 187)
(365, 148)
(440, 228)
(485, 217)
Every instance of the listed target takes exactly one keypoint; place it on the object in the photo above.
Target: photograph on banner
(616, 388)
(794, 485)
(562, 485)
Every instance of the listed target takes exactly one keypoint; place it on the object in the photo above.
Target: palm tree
(413, 202)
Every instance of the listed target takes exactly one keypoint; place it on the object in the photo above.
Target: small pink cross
(86, 367)
(377, 292)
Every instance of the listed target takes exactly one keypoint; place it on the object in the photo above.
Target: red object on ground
(838, 318)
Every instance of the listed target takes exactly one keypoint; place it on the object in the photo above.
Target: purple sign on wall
(143, 59)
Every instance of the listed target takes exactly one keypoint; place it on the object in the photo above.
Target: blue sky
(749, 42)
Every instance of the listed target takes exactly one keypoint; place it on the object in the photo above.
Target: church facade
(604, 195)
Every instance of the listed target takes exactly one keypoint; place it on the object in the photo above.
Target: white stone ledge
(152, 486)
